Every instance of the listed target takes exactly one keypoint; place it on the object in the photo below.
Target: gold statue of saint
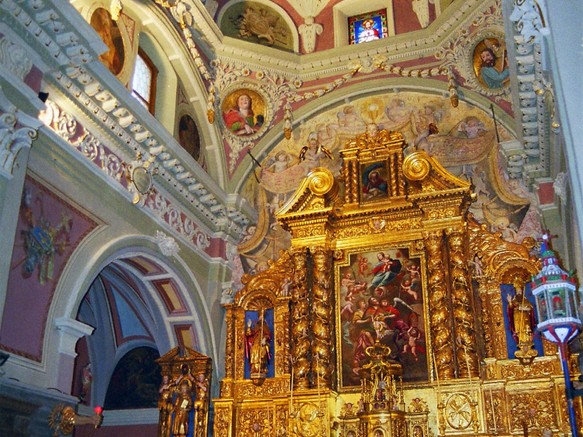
(182, 407)
(522, 323)
(257, 347)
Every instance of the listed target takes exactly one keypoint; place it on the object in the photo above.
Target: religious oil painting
(374, 182)
(367, 27)
(188, 136)
(244, 112)
(381, 298)
(491, 63)
(110, 33)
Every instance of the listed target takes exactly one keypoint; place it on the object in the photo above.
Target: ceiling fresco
(463, 139)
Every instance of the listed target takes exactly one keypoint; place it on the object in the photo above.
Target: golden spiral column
(462, 303)
(440, 306)
(300, 319)
(322, 344)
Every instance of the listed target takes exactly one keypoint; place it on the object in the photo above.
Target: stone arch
(90, 259)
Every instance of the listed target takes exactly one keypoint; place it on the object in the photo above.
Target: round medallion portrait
(491, 63)
(244, 112)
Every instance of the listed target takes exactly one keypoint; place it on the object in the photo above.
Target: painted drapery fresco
(381, 298)
(463, 139)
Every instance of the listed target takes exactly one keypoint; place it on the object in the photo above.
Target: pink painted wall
(34, 275)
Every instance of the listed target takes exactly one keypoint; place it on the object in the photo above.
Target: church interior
(290, 218)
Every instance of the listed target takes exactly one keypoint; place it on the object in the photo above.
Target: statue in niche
(182, 407)
(257, 346)
(521, 316)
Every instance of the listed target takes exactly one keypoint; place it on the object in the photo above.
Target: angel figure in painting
(313, 152)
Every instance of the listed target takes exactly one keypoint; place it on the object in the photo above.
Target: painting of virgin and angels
(381, 298)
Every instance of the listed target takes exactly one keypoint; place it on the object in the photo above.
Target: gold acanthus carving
(488, 305)
(436, 214)
(440, 304)
(535, 409)
(282, 339)
(240, 349)
(309, 231)
(495, 414)
(257, 421)
(226, 388)
(223, 420)
(515, 371)
(230, 341)
(270, 387)
(379, 225)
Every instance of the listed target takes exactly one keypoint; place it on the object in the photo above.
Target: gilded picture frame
(381, 297)
(374, 181)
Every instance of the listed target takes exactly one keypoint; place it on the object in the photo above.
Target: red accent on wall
(546, 193)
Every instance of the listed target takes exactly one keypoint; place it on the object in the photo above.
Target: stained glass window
(367, 27)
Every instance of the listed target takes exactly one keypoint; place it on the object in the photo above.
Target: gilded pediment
(377, 184)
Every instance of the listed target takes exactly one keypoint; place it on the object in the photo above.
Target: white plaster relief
(167, 245)
(12, 141)
(13, 138)
(309, 30)
(178, 221)
(528, 21)
(14, 59)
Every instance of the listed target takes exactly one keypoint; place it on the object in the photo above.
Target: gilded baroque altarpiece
(388, 274)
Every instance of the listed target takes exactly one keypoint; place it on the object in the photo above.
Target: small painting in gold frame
(374, 185)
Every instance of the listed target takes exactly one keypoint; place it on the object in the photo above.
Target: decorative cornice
(159, 205)
(60, 46)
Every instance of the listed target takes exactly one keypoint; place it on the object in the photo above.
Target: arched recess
(277, 9)
(158, 303)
